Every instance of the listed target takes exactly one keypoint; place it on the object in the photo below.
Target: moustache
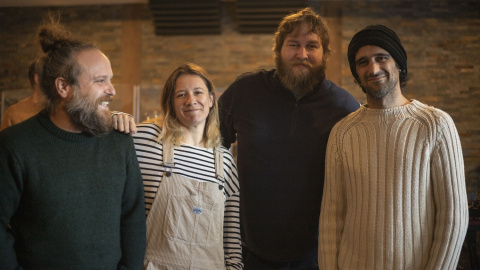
(305, 63)
(107, 98)
(376, 75)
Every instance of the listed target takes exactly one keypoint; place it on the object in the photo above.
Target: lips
(104, 102)
(300, 66)
(304, 63)
(376, 78)
(191, 110)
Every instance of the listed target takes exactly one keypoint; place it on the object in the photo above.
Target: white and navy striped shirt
(197, 164)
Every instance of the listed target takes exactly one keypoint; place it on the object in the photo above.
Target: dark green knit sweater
(73, 201)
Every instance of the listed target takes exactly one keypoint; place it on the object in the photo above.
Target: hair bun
(51, 37)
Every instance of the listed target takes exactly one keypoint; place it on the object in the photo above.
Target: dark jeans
(252, 261)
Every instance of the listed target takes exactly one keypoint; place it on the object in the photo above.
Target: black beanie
(383, 37)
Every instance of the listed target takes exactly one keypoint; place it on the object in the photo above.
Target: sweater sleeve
(332, 214)
(231, 224)
(448, 179)
(11, 186)
(133, 228)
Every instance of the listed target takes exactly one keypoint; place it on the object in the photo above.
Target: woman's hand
(124, 122)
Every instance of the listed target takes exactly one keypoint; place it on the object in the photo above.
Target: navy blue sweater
(281, 159)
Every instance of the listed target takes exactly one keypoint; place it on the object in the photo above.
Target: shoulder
(11, 112)
(226, 153)
(430, 115)
(255, 75)
(334, 99)
(244, 87)
(228, 160)
(22, 106)
(117, 135)
(346, 123)
(24, 129)
(340, 95)
(23, 135)
(7, 118)
(251, 79)
(147, 131)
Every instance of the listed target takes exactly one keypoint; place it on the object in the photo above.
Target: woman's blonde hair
(172, 130)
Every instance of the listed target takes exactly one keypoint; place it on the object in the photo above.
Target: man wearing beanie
(394, 195)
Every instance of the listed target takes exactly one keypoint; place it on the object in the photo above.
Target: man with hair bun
(71, 193)
(394, 195)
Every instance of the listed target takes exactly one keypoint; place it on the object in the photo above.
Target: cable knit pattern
(394, 195)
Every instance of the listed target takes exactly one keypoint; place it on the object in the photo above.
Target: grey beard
(84, 113)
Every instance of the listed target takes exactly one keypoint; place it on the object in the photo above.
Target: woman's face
(192, 101)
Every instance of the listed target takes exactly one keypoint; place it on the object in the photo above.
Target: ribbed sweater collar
(390, 113)
(60, 133)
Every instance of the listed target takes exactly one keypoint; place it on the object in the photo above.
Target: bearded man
(71, 193)
(395, 195)
(281, 119)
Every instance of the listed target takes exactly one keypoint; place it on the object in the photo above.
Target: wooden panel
(185, 17)
(131, 57)
(264, 16)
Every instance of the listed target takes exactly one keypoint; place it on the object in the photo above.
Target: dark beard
(84, 113)
(303, 84)
(384, 91)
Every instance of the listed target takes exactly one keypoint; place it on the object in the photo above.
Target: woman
(191, 186)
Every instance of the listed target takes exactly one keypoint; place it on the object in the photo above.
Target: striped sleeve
(149, 154)
(231, 225)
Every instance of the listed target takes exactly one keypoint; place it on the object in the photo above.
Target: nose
(191, 99)
(373, 68)
(302, 53)
(111, 90)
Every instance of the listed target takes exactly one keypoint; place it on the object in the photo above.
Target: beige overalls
(185, 223)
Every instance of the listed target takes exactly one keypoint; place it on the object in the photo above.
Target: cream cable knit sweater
(394, 194)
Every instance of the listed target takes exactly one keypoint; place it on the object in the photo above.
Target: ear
(210, 101)
(62, 87)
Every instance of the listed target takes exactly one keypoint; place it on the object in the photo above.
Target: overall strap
(167, 152)
(219, 174)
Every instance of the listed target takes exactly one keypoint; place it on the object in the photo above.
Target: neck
(37, 95)
(393, 99)
(63, 121)
(384, 104)
(193, 136)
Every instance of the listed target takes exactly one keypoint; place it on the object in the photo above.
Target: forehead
(94, 63)
(189, 80)
(369, 51)
(303, 31)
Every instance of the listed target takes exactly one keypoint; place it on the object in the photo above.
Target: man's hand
(124, 123)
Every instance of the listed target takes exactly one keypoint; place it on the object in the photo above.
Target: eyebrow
(375, 55)
(196, 88)
(102, 77)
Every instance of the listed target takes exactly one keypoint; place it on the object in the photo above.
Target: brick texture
(441, 38)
